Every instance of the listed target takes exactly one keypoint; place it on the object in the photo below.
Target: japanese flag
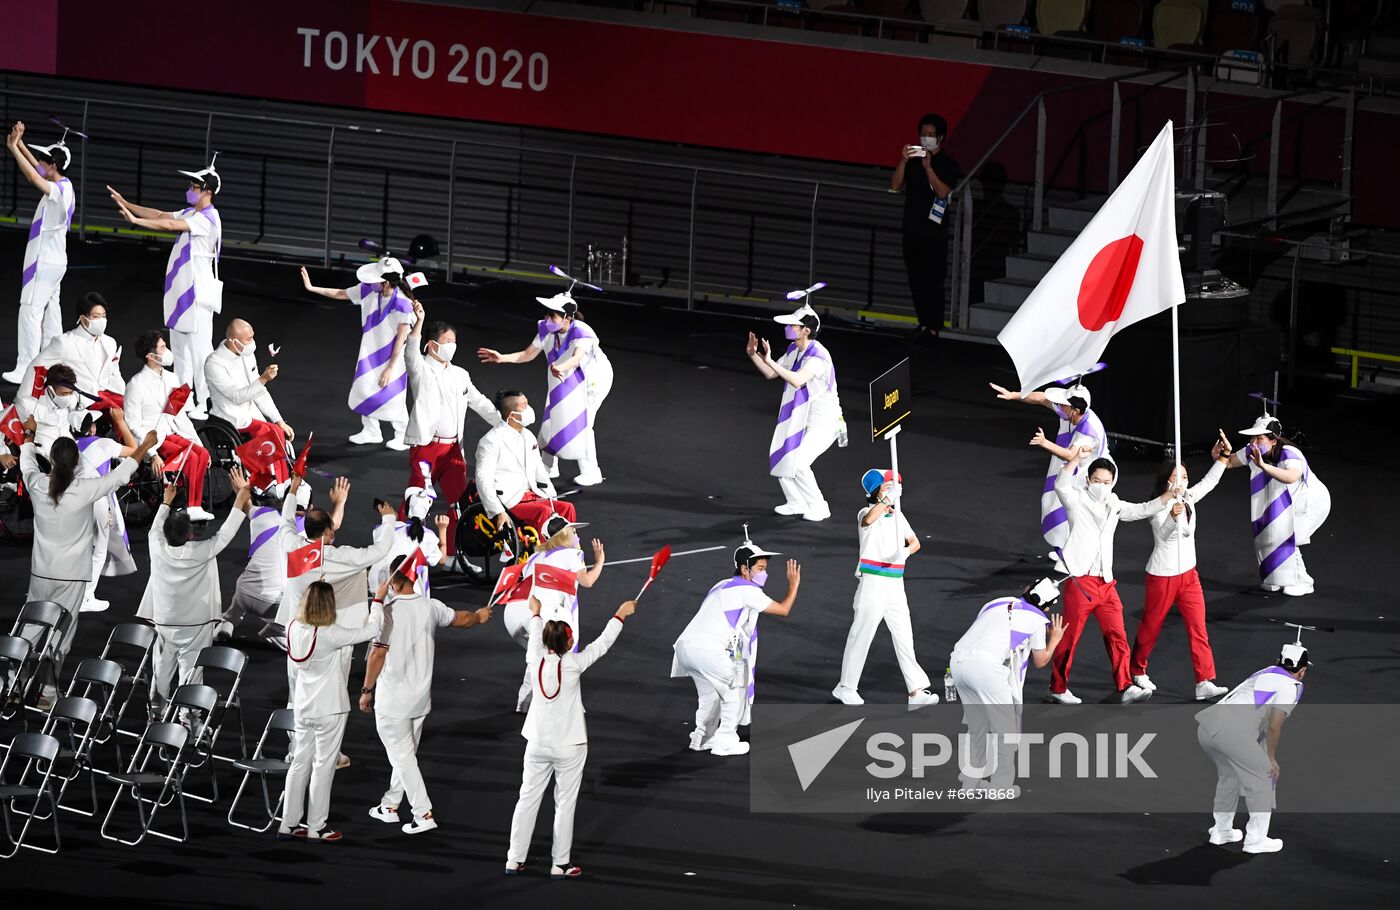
(1123, 268)
(417, 280)
(303, 560)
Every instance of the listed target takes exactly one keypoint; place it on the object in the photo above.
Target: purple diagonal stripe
(1275, 509)
(798, 399)
(561, 391)
(1258, 482)
(1054, 520)
(381, 397)
(1018, 638)
(29, 272)
(262, 510)
(735, 582)
(789, 444)
(374, 359)
(1277, 558)
(261, 539)
(37, 225)
(1050, 482)
(182, 305)
(567, 433)
(1063, 439)
(575, 333)
(182, 259)
(397, 304)
(733, 617)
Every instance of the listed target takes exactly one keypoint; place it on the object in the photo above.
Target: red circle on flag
(1107, 281)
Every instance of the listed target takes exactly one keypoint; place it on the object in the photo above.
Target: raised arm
(490, 355)
(1040, 439)
(1028, 397)
(26, 160)
(1052, 639)
(329, 293)
(481, 405)
(589, 576)
(795, 379)
(144, 211)
(599, 646)
(784, 607)
(757, 359)
(160, 223)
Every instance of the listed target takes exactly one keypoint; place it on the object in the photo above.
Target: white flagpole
(894, 464)
(1176, 409)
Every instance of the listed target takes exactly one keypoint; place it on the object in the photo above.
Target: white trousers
(68, 595)
(40, 318)
(101, 537)
(880, 600)
(371, 425)
(177, 648)
(190, 350)
(565, 765)
(801, 487)
(313, 767)
(991, 705)
(400, 736)
(721, 691)
(1242, 764)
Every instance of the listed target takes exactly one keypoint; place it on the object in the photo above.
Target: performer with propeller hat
(193, 291)
(46, 253)
(379, 390)
(809, 418)
(579, 378)
(886, 543)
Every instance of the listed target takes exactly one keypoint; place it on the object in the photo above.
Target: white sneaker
(420, 824)
(514, 868)
(847, 696)
(924, 697)
(733, 747)
(1145, 682)
(697, 741)
(387, 814)
(1228, 836)
(93, 605)
(1134, 694)
(1264, 845)
(397, 444)
(589, 478)
(788, 508)
(366, 437)
(49, 694)
(13, 377)
(1064, 698)
(198, 414)
(554, 469)
(199, 513)
(1297, 591)
(1208, 690)
(1272, 589)
(820, 513)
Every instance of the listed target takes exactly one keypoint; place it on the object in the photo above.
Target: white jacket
(344, 568)
(556, 709)
(1174, 539)
(94, 362)
(508, 464)
(146, 396)
(436, 386)
(1089, 550)
(183, 587)
(62, 545)
(235, 391)
(322, 676)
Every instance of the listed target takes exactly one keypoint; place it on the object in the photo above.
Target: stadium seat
(1058, 17)
(1177, 23)
(999, 13)
(1232, 28)
(1295, 29)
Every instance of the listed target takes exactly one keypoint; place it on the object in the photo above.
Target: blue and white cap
(875, 478)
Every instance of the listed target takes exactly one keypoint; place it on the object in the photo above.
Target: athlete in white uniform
(417, 533)
(886, 543)
(718, 649)
(111, 548)
(809, 418)
(1241, 734)
(579, 378)
(46, 253)
(193, 291)
(989, 669)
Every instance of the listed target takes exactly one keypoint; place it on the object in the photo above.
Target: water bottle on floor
(842, 438)
(950, 691)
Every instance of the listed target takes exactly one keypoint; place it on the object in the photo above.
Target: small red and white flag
(12, 426)
(41, 379)
(299, 468)
(662, 557)
(177, 464)
(553, 578)
(178, 396)
(1123, 268)
(258, 455)
(417, 280)
(305, 559)
(513, 585)
(412, 564)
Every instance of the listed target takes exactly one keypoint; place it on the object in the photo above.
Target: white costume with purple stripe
(1233, 732)
(45, 262)
(380, 319)
(719, 651)
(571, 408)
(259, 586)
(553, 604)
(1054, 521)
(1283, 517)
(111, 546)
(989, 668)
(189, 302)
(809, 419)
(404, 545)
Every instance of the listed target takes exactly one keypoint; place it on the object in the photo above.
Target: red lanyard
(309, 651)
(558, 679)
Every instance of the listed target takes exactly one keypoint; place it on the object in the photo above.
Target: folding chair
(37, 753)
(163, 744)
(130, 644)
(281, 721)
(99, 680)
(193, 706)
(15, 670)
(42, 623)
(225, 660)
(74, 722)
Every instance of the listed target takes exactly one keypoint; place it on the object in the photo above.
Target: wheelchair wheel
(478, 536)
(219, 439)
(16, 515)
(140, 498)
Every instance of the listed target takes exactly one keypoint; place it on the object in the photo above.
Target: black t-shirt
(919, 196)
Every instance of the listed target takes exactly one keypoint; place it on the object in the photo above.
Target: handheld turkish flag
(106, 400)
(41, 379)
(513, 585)
(1123, 268)
(412, 564)
(177, 464)
(660, 559)
(299, 468)
(259, 454)
(178, 396)
(553, 578)
(305, 559)
(12, 426)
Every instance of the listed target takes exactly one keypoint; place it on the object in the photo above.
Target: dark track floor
(683, 439)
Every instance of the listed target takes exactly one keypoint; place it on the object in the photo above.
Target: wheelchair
(220, 438)
(480, 537)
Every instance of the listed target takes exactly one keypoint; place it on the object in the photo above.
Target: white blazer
(62, 545)
(94, 362)
(321, 678)
(436, 386)
(1174, 539)
(1089, 550)
(508, 464)
(183, 587)
(556, 708)
(343, 568)
(146, 396)
(234, 390)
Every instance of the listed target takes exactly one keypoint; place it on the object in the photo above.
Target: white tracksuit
(716, 651)
(880, 598)
(45, 262)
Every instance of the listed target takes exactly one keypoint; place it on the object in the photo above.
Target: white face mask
(64, 402)
(526, 417)
(167, 358)
(446, 350)
(1098, 491)
(243, 350)
(95, 327)
(930, 142)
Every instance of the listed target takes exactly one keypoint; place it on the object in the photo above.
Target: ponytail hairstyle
(415, 530)
(556, 636)
(63, 466)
